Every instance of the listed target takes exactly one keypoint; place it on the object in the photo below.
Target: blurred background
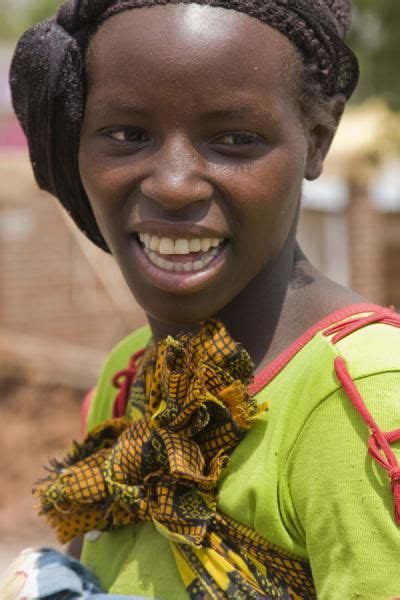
(63, 303)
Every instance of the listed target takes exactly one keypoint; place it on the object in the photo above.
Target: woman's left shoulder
(369, 343)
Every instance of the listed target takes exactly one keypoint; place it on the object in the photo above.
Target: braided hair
(47, 78)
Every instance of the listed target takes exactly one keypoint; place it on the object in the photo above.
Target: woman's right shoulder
(103, 397)
(119, 356)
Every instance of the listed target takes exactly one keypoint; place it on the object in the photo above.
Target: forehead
(185, 48)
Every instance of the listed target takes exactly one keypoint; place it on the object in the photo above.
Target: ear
(321, 132)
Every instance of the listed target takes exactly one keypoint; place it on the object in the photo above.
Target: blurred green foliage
(374, 37)
(39, 10)
(375, 40)
(18, 15)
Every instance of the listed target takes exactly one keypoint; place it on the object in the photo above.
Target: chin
(184, 310)
(182, 315)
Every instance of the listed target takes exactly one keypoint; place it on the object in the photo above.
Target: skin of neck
(254, 316)
(285, 299)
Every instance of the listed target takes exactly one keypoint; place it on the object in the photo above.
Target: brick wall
(366, 236)
(392, 259)
(47, 285)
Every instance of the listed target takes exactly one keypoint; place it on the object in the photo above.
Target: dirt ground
(37, 424)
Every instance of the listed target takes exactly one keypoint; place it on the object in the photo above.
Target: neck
(253, 317)
(287, 297)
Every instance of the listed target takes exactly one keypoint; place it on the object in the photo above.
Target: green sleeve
(102, 403)
(341, 500)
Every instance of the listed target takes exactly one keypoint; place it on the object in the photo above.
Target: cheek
(105, 186)
(284, 170)
(91, 176)
(268, 192)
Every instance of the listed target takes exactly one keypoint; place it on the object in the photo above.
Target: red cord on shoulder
(345, 328)
(379, 442)
(123, 381)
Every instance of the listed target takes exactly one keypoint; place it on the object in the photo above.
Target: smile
(183, 255)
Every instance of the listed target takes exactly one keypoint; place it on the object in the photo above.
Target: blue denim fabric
(60, 577)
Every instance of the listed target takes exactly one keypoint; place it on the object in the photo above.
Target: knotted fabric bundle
(189, 407)
(48, 78)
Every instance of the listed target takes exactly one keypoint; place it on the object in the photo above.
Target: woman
(178, 135)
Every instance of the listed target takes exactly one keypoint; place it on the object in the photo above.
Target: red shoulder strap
(123, 381)
(379, 441)
(345, 328)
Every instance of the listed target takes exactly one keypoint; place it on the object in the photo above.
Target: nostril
(174, 192)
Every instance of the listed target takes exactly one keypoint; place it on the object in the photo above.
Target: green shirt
(301, 477)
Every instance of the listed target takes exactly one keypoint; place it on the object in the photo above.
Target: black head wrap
(48, 84)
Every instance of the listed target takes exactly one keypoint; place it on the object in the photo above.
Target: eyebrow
(241, 111)
(107, 106)
(236, 111)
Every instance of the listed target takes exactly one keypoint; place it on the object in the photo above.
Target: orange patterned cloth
(188, 409)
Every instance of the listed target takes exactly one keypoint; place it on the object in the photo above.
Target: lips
(186, 254)
(179, 273)
(180, 246)
(178, 263)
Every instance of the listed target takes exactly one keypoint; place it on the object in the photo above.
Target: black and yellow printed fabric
(188, 408)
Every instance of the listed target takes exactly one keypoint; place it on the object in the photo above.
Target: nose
(177, 175)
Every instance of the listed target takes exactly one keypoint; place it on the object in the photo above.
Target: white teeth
(181, 266)
(205, 245)
(181, 246)
(154, 243)
(160, 262)
(195, 245)
(168, 246)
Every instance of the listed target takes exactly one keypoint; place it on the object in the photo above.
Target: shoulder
(308, 383)
(103, 398)
(364, 355)
(124, 349)
(369, 344)
(333, 484)
(358, 370)
(333, 441)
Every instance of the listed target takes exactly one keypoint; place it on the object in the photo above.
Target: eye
(239, 138)
(128, 135)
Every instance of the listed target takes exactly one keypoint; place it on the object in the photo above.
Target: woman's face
(192, 152)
